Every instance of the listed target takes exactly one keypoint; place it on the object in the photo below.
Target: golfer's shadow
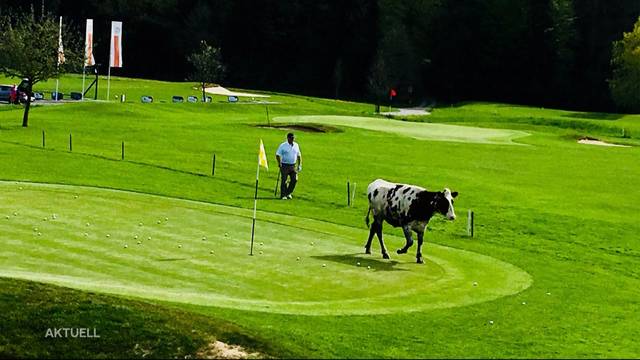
(369, 260)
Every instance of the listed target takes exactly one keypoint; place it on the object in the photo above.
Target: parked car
(5, 92)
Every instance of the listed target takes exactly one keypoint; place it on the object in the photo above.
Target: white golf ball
(261, 243)
(312, 243)
(139, 242)
(159, 221)
(548, 293)
(261, 252)
(20, 188)
(204, 238)
(7, 216)
(45, 219)
(211, 252)
(298, 258)
(490, 322)
(149, 238)
(85, 234)
(75, 197)
(15, 214)
(39, 234)
(135, 236)
(524, 303)
(108, 235)
(35, 229)
(368, 267)
(126, 246)
(358, 263)
(324, 265)
(475, 283)
(140, 224)
(166, 219)
(226, 234)
(180, 246)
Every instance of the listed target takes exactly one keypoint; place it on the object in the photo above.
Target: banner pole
(84, 74)
(108, 82)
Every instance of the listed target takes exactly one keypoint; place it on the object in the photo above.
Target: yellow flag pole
(255, 205)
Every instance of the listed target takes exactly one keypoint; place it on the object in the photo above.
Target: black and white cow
(407, 206)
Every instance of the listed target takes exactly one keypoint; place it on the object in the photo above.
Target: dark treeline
(541, 52)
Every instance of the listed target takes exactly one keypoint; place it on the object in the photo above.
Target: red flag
(392, 93)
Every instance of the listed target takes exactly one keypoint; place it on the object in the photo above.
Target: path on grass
(415, 111)
(184, 251)
(416, 130)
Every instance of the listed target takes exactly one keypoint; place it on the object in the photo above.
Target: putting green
(416, 130)
(76, 236)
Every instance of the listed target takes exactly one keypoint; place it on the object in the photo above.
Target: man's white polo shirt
(288, 153)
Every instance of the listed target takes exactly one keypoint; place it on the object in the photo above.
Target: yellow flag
(262, 157)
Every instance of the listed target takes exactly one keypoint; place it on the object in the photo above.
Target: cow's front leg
(385, 255)
(419, 252)
(372, 232)
(408, 240)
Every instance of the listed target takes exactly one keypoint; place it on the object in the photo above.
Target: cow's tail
(367, 218)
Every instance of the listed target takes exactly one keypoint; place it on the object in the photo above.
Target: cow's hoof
(385, 256)
(401, 251)
(419, 261)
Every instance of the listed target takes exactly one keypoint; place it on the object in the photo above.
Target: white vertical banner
(60, 58)
(116, 44)
(89, 60)
(115, 57)
(88, 45)
(60, 48)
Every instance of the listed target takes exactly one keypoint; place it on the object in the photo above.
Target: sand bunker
(219, 90)
(591, 141)
(220, 350)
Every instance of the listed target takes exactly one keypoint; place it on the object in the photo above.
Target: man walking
(288, 156)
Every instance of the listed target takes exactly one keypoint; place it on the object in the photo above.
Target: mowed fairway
(184, 251)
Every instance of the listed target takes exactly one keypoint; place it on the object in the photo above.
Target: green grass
(118, 328)
(197, 253)
(564, 213)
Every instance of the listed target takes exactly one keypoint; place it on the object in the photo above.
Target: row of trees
(545, 52)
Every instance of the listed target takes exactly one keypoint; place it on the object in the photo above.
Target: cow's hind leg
(419, 252)
(385, 255)
(408, 240)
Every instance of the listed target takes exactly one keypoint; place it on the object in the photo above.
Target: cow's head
(443, 202)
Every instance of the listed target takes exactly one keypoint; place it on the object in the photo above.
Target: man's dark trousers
(288, 170)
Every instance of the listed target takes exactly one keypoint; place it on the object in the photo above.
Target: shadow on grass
(170, 259)
(353, 260)
(594, 116)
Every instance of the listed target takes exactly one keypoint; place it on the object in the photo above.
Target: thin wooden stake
(268, 121)
(353, 193)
